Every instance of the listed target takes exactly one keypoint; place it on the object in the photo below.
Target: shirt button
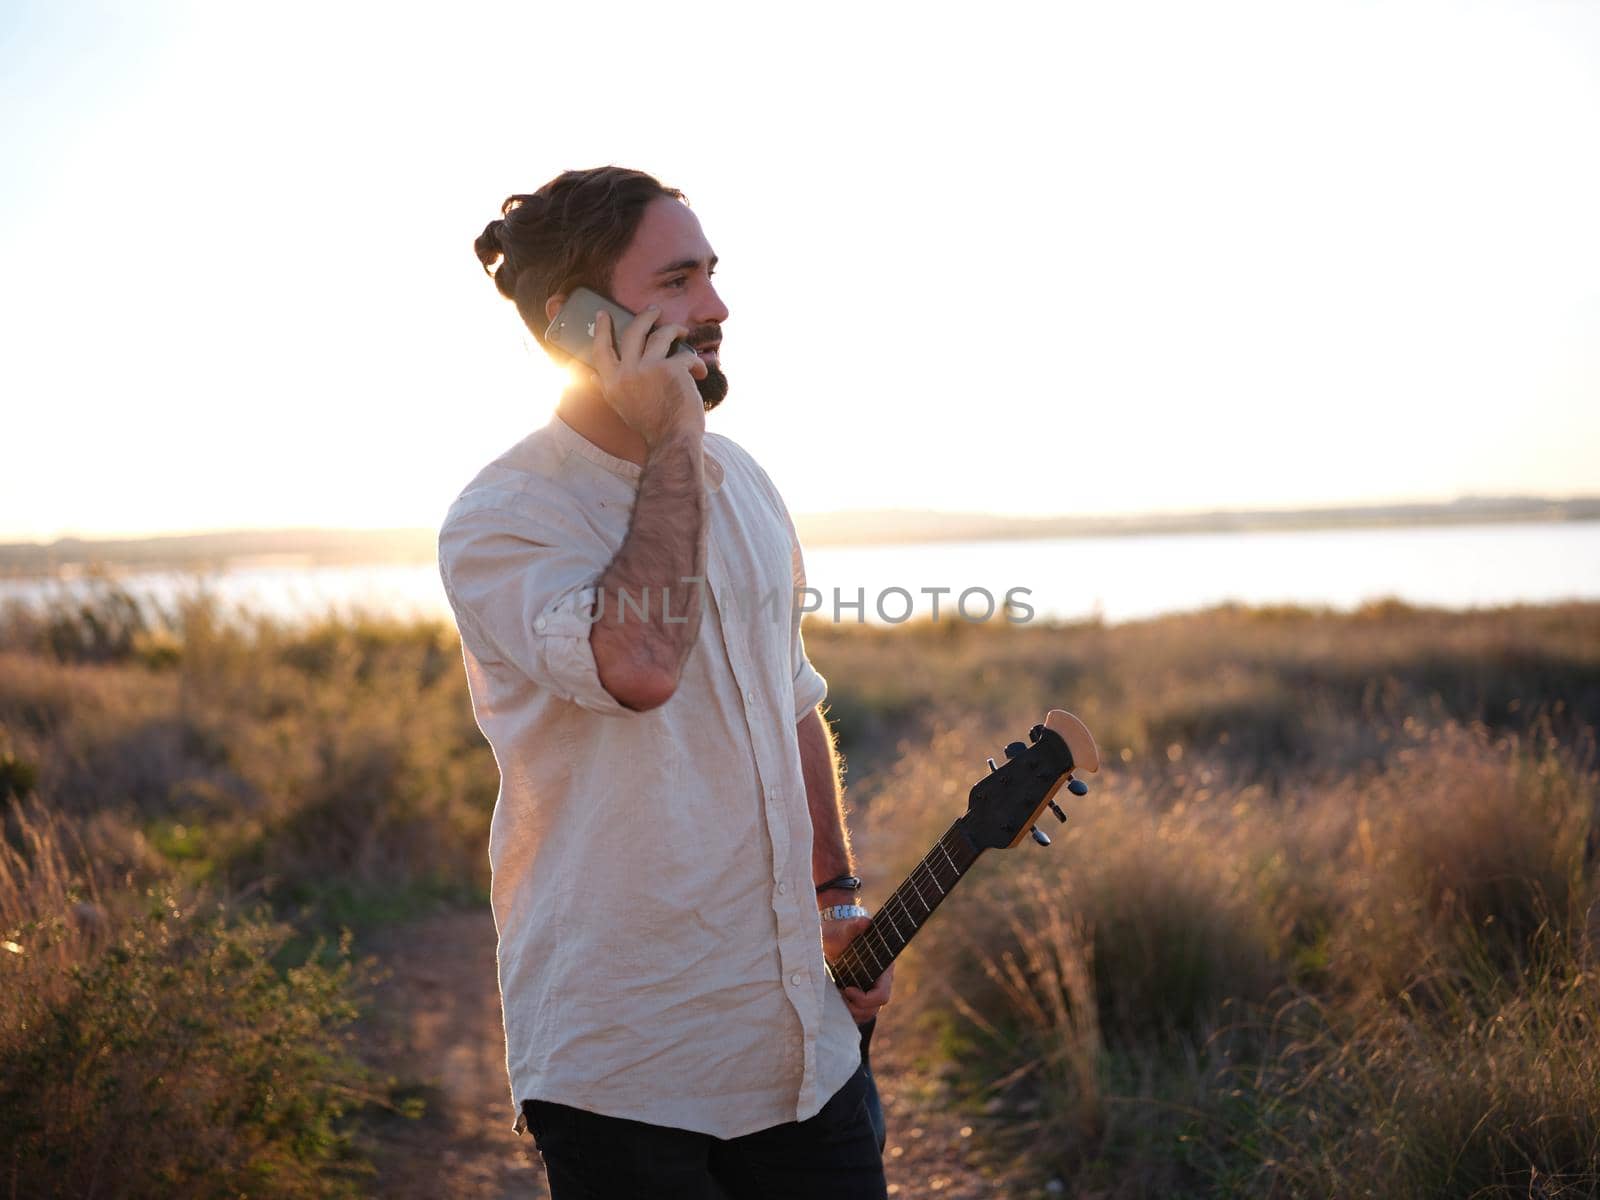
(538, 624)
(782, 888)
(749, 696)
(795, 979)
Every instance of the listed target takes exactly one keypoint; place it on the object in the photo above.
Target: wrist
(837, 896)
(841, 889)
(843, 912)
(682, 438)
(849, 883)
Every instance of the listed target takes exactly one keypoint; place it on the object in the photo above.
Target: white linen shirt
(660, 953)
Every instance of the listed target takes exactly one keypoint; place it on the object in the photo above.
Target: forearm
(830, 840)
(649, 616)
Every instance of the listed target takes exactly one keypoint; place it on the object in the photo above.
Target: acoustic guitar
(1002, 808)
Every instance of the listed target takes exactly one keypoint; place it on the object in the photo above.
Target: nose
(711, 309)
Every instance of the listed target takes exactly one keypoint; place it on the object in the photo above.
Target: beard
(713, 388)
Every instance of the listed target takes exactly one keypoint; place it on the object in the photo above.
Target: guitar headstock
(1003, 806)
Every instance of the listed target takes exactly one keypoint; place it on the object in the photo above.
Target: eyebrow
(686, 264)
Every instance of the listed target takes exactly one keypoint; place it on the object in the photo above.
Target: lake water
(1113, 578)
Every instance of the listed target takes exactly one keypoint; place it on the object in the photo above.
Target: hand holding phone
(573, 329)
(646, 373)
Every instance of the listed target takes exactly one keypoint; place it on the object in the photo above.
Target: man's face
(670, 263)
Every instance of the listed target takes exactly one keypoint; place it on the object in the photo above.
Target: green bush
(181, 1061)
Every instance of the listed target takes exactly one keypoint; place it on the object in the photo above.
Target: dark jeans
(832, 1156)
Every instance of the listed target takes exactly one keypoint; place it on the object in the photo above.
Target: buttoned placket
(796, 924)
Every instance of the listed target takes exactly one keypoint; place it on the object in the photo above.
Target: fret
(888, 910)
(889, 932)
(889, 951)
(882, 931)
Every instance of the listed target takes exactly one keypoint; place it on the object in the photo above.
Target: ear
(553, 305)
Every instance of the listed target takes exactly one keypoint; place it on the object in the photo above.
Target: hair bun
(490, 247)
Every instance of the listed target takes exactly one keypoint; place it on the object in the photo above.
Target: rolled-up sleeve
(522, 599)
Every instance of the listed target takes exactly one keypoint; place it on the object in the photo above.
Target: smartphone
(573, 328)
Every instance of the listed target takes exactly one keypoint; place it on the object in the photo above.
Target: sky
(1011, 258)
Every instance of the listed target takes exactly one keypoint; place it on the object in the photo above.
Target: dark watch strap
(848, 883)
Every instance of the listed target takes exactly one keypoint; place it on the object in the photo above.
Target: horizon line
(888, 514)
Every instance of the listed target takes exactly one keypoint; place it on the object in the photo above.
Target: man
(624, 583)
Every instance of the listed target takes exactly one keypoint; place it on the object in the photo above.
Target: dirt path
(436, 1027)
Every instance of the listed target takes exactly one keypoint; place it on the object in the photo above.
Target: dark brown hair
(569, 233)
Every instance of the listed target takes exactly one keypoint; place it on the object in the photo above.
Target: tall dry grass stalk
(51, 916)
(1045, 977)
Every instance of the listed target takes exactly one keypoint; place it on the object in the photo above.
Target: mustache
(703, 335)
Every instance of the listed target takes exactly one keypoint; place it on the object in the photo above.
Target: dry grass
(159, 1035)
(1323, 926)
(1335, 863)
(50, 913)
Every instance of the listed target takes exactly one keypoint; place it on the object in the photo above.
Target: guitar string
(916, 888)
(898, 899)
(852, 959)
(927, 867)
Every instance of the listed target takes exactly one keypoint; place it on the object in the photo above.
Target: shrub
(1463, 852)
(152, 1046)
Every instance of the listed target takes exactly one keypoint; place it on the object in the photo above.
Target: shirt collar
(574, 442)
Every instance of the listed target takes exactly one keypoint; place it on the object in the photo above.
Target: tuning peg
(992, 767)
(1056, 808)
(1039, 836)
(1014, 748)
(1077, 787)
(1035, 733)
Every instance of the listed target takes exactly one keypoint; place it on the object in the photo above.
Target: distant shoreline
(875, 528)
(350, 547)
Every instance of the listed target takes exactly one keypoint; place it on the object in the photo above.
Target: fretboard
(904, 912)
